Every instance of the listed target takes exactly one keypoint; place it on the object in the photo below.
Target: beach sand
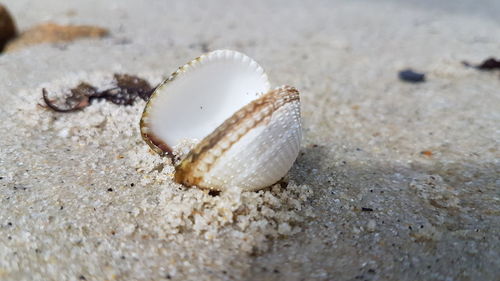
(394, 181)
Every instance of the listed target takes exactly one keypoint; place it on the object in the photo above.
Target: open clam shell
(250, 135)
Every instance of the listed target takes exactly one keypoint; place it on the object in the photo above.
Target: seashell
(250, 135)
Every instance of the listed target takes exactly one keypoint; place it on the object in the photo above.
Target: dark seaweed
(128, 88)
(487, 65)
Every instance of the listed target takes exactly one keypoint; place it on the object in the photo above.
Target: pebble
(7, 27)
(411, 76)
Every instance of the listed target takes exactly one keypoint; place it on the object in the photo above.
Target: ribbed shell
(250, 136)
(253, 149)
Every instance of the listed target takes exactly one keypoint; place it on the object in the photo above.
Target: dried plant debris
(7, 27)
(487, 65)
(79, 98)
(408, 75)
(128, 89)
(54, 33)
(133, 86)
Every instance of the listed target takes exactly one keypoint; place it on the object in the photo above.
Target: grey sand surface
(395, 181)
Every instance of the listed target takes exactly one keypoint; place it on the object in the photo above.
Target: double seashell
(250, 135)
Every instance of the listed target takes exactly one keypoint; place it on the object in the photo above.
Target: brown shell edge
(155, 142)
(184, 170)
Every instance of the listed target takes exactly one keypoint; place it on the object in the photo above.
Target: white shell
(250, 135)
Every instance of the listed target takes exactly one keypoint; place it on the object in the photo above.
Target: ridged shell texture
(252, 149)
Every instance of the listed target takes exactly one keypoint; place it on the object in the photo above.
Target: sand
(394, 181)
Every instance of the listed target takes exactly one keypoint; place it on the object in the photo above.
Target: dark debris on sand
(487, 65)
(127, 89)
(408, 75)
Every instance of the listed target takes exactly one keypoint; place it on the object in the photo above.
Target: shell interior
(192, 106)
